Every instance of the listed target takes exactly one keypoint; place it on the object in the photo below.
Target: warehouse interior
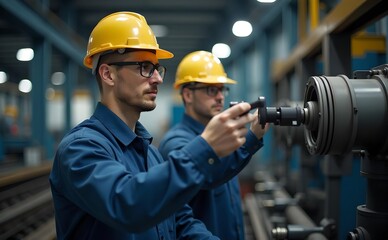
(318, 68)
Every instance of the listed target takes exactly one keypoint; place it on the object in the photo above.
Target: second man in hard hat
(203, 85)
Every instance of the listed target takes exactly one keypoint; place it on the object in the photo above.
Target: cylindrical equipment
(352, 113)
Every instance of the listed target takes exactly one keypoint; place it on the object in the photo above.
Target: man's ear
(106, 74)
(187, 95)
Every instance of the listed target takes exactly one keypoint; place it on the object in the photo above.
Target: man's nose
(156, 77)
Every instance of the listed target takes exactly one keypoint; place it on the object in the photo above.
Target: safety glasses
(212, 91)
(146, 68)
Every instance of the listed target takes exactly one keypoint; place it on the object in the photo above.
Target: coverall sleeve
(175, 142)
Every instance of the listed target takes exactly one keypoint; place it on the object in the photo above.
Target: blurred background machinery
(320, 65)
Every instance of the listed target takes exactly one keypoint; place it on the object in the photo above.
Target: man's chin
(148, 108)
(215, 112)
(218, 109)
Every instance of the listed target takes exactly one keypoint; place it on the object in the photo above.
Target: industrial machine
(343, 116)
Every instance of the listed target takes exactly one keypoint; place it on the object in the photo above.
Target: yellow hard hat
(203, 67)
(122, 30)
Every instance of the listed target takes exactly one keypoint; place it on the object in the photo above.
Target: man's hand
(226, 131)
(256, 127)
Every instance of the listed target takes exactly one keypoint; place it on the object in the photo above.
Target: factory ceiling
(190, 25)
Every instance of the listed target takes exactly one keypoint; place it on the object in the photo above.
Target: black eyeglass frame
(224, 90)
(156, 67)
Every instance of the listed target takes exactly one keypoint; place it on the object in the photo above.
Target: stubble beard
(148, 107)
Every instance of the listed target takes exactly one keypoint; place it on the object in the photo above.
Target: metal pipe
(297, 216)
(254, 214)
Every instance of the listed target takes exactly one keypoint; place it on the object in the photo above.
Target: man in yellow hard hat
(107, 180)
(203, 85)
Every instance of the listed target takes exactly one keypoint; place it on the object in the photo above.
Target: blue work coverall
(218, 204)
(109, 182)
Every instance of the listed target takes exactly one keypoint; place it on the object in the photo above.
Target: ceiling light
(25, 86)
(159, 30)
(221, 50)
(266, 1)
(25, 54)
(3, 77)
(58, 78)
(242, 29)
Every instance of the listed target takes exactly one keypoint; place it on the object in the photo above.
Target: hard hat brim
(207, 80)
(160, 54)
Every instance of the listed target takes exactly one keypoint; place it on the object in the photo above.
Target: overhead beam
(344, 17)
(48, 30)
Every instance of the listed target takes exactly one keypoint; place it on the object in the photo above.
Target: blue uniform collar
(196, 126)
(118, 128)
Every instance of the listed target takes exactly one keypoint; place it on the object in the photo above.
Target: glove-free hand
(257, 128)
(226, 131)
